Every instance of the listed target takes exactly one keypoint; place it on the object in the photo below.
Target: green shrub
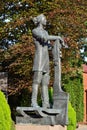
(12, 126)
(71, 118)
(5, 114)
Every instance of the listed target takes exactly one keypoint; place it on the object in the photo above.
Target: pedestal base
(40, 116)
(60, 102)
(39, 127)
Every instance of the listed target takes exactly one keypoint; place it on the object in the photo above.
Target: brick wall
(85, 91)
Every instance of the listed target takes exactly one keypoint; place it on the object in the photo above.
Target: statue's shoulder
(34, 30)
(37, 32)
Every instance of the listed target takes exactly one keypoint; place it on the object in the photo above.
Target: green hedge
(5, 114)
(74, 86)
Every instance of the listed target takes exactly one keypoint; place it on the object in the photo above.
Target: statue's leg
(45, 95)
(36, 81)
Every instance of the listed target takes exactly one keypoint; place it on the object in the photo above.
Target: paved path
(39, 127)
(22, 127)
(82, 127)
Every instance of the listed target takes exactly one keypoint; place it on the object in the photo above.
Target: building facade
(85, 91)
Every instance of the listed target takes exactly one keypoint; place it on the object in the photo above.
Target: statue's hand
(64, 42)
(66, 46)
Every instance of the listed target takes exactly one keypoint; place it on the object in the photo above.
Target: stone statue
(41, 61)
(45, 115)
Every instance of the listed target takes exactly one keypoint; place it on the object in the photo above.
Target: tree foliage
(67, 18)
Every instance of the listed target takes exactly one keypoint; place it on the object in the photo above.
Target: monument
(45, 115)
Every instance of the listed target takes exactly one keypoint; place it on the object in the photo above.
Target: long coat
(41, 59)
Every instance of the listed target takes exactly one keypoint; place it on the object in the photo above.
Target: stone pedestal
(42, 116)
(60, 102)
(39, 127)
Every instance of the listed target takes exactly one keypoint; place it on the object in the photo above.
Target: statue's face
(43, 20)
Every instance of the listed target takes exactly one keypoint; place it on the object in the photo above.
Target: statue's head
(40, 19)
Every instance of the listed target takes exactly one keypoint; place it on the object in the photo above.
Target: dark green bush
(5, 114)
(73, 85)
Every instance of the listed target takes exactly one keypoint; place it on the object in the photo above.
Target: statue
(45, 115)
(41, 61)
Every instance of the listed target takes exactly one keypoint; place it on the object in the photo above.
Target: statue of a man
(41, 60)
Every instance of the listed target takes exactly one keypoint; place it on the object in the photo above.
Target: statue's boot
(45, 94)
(34, 95)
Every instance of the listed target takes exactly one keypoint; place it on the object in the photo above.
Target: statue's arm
(51, 37)
(46, 37)
(40, 36)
